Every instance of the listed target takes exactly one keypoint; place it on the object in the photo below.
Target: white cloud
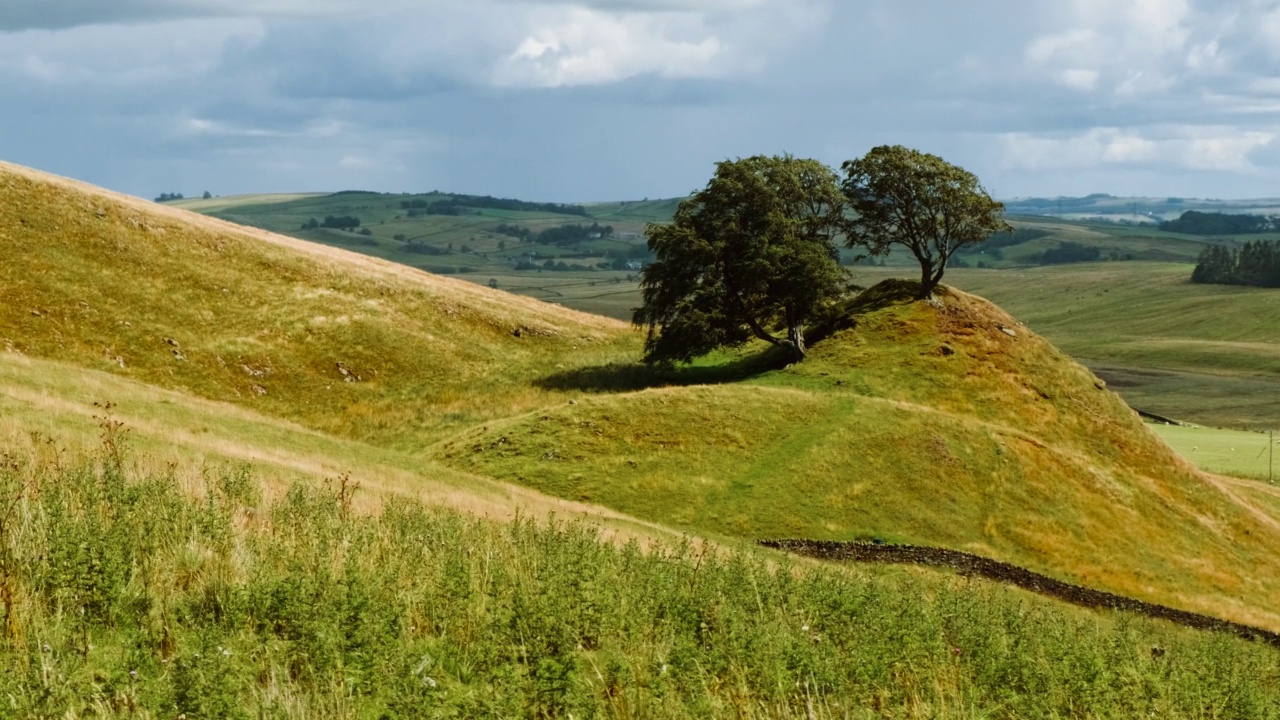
(319, 129)
(1224, 153)
(1192, 148)
(144, 55)
(356, 162)
(1109, 45)
(1079, 78)
(17, 15)
(587, 47)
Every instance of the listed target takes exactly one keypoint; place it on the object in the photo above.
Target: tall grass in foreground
(160, 596)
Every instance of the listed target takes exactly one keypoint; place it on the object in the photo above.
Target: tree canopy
(750, 255)
(901, 196)
(1254, 263)
(1195, 222)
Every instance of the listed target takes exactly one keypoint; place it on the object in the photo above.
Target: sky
(599, 100)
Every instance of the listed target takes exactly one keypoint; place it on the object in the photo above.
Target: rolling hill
(1165, 366)
(335, 341)
(203, 360)
(948, 425)
(953, 426)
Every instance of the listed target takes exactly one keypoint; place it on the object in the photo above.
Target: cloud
(222, 129)
(529, 97)
(589, 47)
(356, 162)
(1190, 148)
(110, 58)
(19, 15)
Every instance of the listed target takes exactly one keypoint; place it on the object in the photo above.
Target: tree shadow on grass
(629, 377)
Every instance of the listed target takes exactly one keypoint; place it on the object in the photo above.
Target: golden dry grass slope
(946, 424)
(337, 342)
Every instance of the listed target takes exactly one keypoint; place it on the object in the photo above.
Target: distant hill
(1134, 209)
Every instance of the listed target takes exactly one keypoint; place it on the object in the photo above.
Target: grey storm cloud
(629, 98)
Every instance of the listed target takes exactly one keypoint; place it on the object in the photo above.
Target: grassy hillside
(334, 341)
(1202, 353)
(50, 411)
(168, 595)
(917, 424)
(909, 422)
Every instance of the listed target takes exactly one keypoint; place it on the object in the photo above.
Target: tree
(749, 255)
(207, 195)
(901, 196)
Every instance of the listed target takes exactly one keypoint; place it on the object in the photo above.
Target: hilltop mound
(339, 342)
(943, 424)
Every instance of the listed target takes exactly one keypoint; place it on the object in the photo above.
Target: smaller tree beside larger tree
(901, 196)
(750, 255)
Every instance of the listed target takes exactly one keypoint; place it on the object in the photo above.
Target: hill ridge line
(996, 570)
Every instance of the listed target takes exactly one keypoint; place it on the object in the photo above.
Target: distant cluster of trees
(1195, 222)
(573, 234)
(1255, 263)
(1002, 240)
(553, 265)
(419, 207)
(519, 232)
(336, 222)
(464, 204)
(633, 257)
(424, 249)
(1068, 252)
(559, 235)
(170, 197)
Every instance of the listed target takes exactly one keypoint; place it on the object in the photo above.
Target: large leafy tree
(901, 196)
(750, 255)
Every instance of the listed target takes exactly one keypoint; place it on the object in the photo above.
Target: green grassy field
(165, 595)
(428, 367)
(1231, 452)
(942, 424)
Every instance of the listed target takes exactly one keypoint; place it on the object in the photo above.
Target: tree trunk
(795, 338)
(927, 281)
